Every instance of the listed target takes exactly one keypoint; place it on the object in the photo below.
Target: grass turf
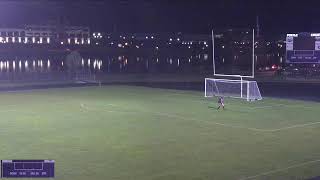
(126, 132)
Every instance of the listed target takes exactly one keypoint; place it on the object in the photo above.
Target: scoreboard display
(27, 168)
(303, 48)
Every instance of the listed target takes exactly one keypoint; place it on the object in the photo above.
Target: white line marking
(241, 127)
(181, 94)
(112, 105)
(22, 90)
(9, 106)
(208, 122)
(85, 107)
(9, 110)
(270, 106)
(282, 105)
(281, 170)
(291, 127)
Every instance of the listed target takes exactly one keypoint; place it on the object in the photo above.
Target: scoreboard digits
(27, 168)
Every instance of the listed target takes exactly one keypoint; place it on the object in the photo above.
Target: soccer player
(220, 102)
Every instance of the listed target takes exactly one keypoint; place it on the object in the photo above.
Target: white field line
(282, 105)
(190, 93)
(9, 110)
(290, 127)
(251, 129)
(85, 107)
(21, 90)
(250, 108)
(9, 105)
(208, 122)
(268, 106)
(180, 94)
(113, 105)
(281, 170)
(298, 105)
(19, 105)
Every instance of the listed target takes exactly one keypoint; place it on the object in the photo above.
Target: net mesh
(232, 88)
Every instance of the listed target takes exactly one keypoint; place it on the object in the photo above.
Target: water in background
(13, 67)
(54, 67)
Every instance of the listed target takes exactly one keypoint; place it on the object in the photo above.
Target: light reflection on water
(112, 64)
(26, 65)
(42, 65)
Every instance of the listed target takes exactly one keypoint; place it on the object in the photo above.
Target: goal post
(252, 58)
(85, 76)
(242, 89)
(223, 85)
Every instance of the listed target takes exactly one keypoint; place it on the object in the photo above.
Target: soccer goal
(225, 85)
(243, 89)
(85, 76)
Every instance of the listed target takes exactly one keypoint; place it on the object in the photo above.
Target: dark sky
(194, 16)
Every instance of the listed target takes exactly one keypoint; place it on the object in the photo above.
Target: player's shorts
(222, 104)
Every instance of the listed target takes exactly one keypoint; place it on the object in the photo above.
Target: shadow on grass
(229, 110)
(212, 107)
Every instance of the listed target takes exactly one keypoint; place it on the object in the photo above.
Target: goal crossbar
(229, 80)
(233, 75)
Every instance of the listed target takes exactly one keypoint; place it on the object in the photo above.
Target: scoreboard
(303, 48)
(27, 168)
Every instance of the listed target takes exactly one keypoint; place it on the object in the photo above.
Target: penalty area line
(282, 105)
(85, 107)
(281, 170)
(291, 127)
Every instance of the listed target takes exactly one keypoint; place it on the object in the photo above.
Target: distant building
(46, 34)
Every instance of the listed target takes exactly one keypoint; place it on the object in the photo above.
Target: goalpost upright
(248, 83)
(253, 56)
(213, 62)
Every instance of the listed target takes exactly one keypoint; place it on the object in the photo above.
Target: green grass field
(137, 133)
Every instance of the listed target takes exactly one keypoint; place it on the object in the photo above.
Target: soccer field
(138, 133)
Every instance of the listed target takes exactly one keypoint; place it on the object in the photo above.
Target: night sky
(191, 16)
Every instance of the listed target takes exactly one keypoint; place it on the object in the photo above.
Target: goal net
(243, 89)
(85, 76)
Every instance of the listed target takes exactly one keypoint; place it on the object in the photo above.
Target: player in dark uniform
(220, 102)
